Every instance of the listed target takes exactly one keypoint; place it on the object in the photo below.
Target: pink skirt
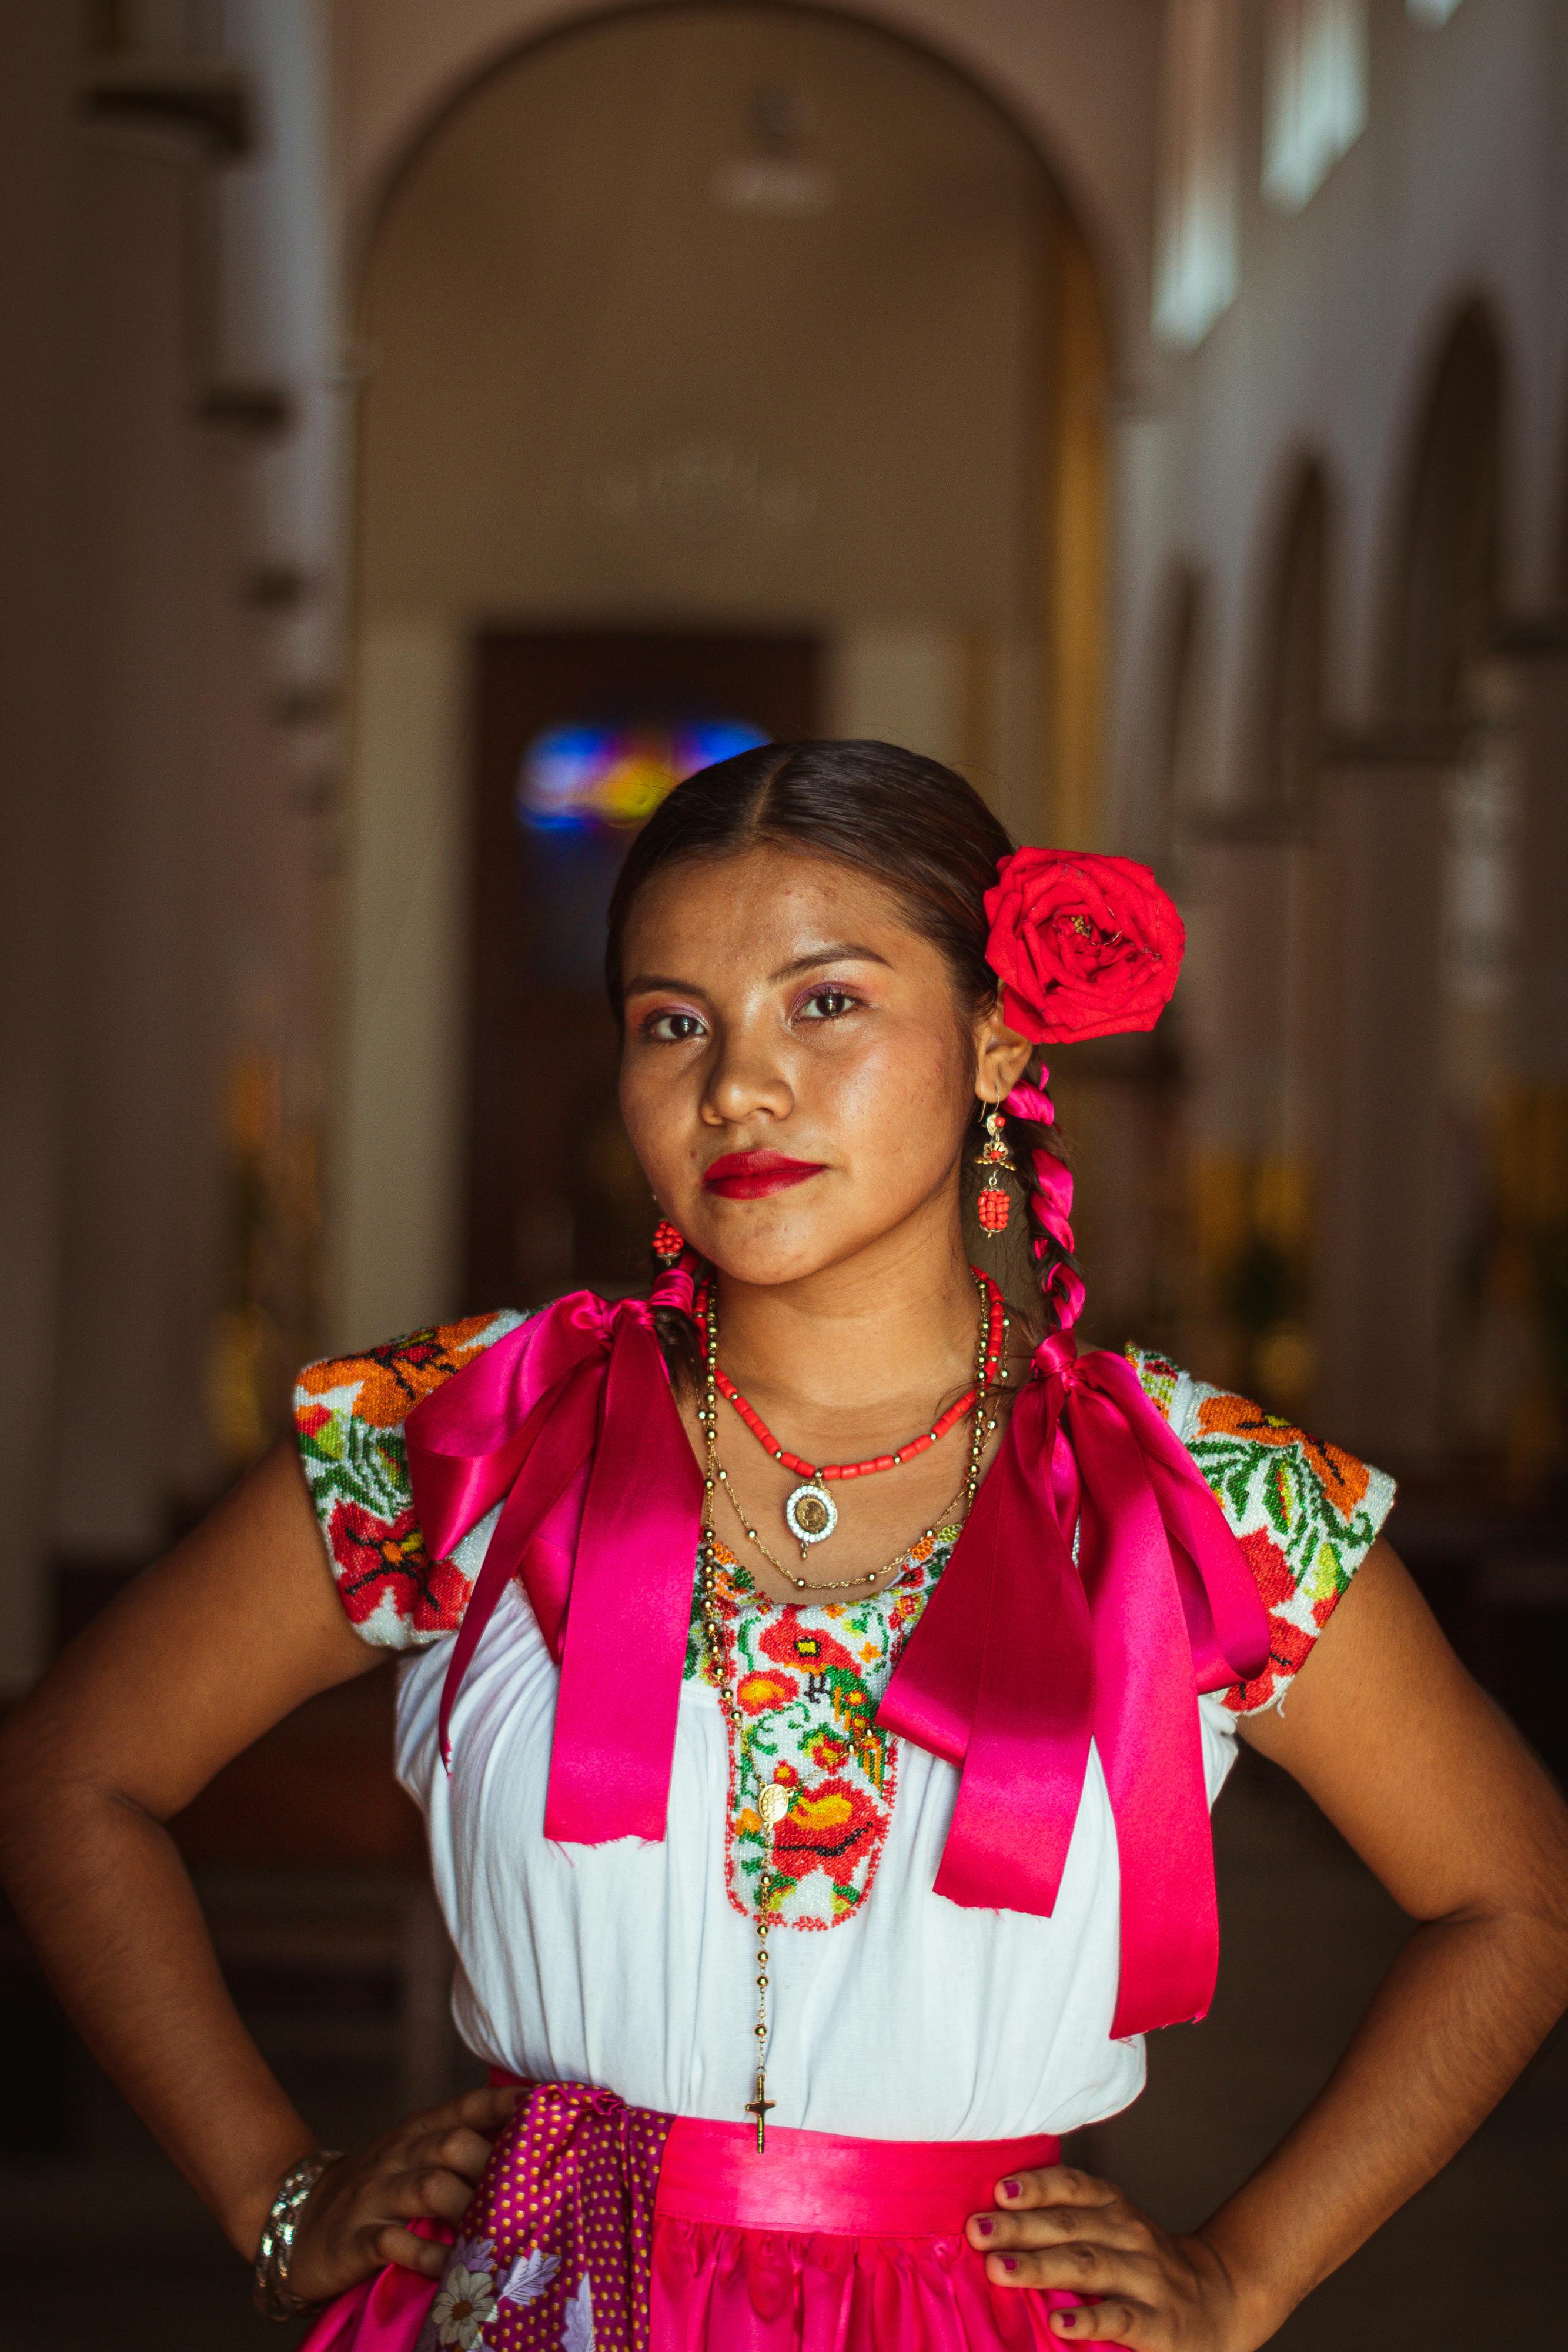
(601, 2227)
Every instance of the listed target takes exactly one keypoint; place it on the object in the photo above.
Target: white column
(398, 1145)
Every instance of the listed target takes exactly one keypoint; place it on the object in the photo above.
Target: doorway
(577, 735)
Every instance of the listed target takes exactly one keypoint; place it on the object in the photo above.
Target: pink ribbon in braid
(1052, 1204)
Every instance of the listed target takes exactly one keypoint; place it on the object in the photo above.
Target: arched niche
(1081, 84)
(571, 342)
(1447, 552)
(1290, 695)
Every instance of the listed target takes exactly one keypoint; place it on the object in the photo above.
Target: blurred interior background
(428, 431)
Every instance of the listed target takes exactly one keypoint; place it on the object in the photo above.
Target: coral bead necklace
(810, 1513)
(773, 1798)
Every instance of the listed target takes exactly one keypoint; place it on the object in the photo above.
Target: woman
(811, 1910)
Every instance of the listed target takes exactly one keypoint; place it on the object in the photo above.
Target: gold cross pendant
(761, 2107)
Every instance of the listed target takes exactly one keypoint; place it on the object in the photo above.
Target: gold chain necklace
(810, 1513)
(773, 1801)
(947, 1524)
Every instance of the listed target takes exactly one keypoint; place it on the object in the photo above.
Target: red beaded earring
(669, 1242)
(993, 1207)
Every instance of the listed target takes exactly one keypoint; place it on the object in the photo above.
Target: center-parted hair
(910, 823)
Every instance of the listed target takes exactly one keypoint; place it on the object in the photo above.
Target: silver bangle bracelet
(270, 2290)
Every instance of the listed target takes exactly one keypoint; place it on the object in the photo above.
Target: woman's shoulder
(349, 1416)
(1306, 1512)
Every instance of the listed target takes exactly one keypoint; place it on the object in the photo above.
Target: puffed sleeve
(1306, 1514)
(348, 1413)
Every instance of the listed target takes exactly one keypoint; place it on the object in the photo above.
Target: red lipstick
(749, 1175)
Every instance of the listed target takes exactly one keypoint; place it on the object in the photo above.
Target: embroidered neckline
(808, 1678)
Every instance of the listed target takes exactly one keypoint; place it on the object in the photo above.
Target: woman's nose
(745, 1084)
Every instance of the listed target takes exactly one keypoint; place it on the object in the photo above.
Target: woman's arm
(203, 1654)
(1441, 1798)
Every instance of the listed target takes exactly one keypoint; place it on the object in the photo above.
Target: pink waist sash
(597, 2222)
(816, 2181)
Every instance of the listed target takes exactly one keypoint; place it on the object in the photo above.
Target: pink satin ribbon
(691, 2242)
(1022, 1656)
(568, 1422)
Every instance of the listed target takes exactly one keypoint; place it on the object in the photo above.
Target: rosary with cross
(761, 2107)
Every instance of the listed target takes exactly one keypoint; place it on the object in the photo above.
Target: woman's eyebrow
(845, 953)
(646, 980)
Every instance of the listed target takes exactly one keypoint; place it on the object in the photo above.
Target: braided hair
(927, 837)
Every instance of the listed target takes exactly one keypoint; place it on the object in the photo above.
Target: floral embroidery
(1306, 1513)
(577, 2335)
(466, 2300)
(809, 1682)
(349, 1414)
(528, 2276)
(1159, 1376)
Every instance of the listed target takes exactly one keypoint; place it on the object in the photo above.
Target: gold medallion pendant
(811, 1515)
(772, 1804)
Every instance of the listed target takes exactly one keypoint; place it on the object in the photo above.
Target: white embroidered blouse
(895, 2015)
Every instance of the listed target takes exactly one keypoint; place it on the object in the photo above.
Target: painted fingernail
(984, 2226)
(1065, 2320)
(1011, 2188)
(1009, 2263)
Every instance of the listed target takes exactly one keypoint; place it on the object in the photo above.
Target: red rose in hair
(1083, 946)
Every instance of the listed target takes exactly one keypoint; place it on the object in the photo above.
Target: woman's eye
(672, 1028)
(828, 1003)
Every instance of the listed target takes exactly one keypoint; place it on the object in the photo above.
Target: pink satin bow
(570, 1423)
(1022, 1656)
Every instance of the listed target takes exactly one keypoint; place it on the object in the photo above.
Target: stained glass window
(592, 774)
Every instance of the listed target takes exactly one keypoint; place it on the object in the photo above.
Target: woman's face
(798, 1074)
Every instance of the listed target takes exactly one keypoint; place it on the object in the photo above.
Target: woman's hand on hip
(358, 2216)
(1154, 2293)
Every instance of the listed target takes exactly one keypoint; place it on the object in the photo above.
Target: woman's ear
(1001, 1058)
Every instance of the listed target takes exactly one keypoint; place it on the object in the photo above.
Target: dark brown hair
(911, 823)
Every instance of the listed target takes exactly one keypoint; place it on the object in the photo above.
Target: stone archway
(1292, 697)
(1081, 85)
(992, 533)
(1447, 559)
